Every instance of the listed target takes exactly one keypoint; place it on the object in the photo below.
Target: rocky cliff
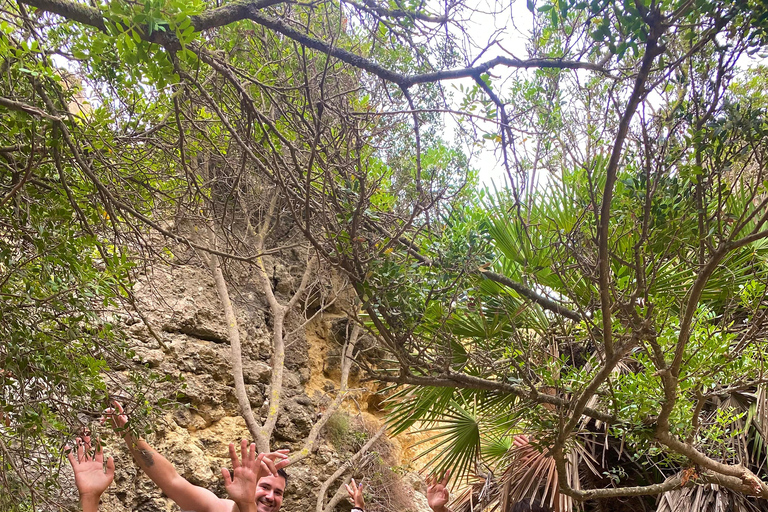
(181, 333)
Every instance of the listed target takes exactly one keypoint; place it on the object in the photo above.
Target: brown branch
(346, 364)
(671, 375)
(748, 481)
(29, 109)
(73, 11)
(236, 352)
(27, 174)
(652, 50)
(343, 468)
(526, 292)
(371, 7)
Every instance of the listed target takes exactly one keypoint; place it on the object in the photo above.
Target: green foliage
(689, 183)
(62, 280)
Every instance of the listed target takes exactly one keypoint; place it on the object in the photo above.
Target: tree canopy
(608, 301)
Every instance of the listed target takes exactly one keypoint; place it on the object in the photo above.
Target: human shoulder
(221, 505)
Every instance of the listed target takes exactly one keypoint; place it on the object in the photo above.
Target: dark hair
(281, 472)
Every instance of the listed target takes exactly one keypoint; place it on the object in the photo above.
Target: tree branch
(371, 7)
(233, 333)
(346, 364)
(239, 11)
(344, 467)
(29, 109)
(542, 301)
(652, 50)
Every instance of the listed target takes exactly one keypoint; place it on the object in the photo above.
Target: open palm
(90, 477)
(437, 492)
(249, 469)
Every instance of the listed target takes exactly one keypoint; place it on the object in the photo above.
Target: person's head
(270, 490)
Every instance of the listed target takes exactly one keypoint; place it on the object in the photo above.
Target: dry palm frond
(531, 474)
(708, 498)
(480, 494)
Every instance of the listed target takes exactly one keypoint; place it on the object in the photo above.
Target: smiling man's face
(269, 493)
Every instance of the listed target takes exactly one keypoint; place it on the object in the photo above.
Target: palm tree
(495, 333)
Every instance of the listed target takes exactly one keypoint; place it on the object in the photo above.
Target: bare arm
(161, 471)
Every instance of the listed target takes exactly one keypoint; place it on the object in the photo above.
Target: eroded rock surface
(182, 308)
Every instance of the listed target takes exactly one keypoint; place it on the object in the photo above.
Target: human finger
(270, 465)
(225, 473)
(120, 419)
(243, 449)
(79, 449)
(110, 469)
(350, 491)
(98, 456)
(446, 477)
(233, 456)
(71, 455)
(87, 446)
(265, 470)
(250, 455)
(279, 454)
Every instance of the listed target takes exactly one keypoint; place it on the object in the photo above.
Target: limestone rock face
(181, 332)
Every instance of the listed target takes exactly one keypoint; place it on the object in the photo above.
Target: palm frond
(413, 405)
(456, 440)
(708, 498)
(531, 474)
(496, 448)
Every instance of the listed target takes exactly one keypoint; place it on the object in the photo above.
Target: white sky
(510, 27)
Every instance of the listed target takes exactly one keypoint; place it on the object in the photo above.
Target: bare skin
(437, 492)
(90, 477)
(254, 485)
(355, 491)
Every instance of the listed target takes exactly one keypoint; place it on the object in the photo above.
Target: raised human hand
(437, 492)
(248, 470)
(521, 440)
(356, 493)
(90, 478)
(116, 417)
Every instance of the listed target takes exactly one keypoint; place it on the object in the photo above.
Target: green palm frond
(495, 448)
(413, 405)
(455, 444)
(479, 326)
(737, 269)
